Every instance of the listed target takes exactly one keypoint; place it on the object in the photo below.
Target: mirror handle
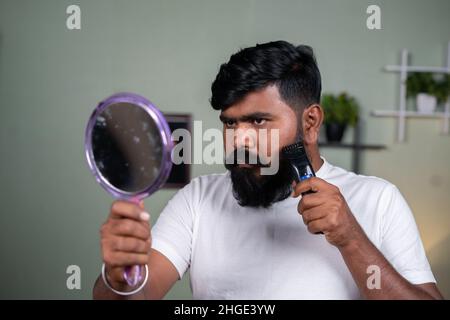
(133, 274)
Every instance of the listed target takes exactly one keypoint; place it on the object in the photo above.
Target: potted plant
(442, 91)
(340, 111)
(428, 89)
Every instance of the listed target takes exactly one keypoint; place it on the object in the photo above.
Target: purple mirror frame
(132, 274)
(164, 131)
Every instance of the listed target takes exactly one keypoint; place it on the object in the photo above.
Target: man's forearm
(360, 255)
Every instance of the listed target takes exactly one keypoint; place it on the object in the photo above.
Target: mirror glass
(127, 147)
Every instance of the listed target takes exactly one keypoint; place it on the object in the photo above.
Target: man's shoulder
(208, 180)
(208, 183)
(205, 189)
(359, 182)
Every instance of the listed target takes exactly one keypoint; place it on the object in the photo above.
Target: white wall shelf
(401, 113)
(408, 114)
(417, 69)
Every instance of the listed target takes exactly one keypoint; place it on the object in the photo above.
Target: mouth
(253, 168)
(244, 160)
(245, 165)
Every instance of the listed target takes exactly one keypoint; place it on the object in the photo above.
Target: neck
(314, 156)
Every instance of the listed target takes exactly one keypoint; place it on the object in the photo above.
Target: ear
(312, 119)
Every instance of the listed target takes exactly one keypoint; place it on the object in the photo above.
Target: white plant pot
(426, 103)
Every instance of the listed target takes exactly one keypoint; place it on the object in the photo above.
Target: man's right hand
(125, 240)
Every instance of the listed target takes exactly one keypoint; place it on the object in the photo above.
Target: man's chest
(272, 256)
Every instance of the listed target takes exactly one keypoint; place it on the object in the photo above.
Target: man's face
(253, 122)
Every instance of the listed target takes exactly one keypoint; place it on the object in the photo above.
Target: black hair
(293, 69)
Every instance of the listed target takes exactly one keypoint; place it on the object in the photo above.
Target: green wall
(51, 79)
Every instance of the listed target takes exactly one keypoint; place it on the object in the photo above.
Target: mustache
(244, 156)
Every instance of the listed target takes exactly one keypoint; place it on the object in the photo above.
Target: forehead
(266, 100)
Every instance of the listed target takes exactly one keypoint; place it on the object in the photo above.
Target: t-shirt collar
(324, 169)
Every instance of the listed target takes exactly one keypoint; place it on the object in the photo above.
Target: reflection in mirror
(127, 147)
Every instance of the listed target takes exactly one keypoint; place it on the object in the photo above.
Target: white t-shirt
(236, 252)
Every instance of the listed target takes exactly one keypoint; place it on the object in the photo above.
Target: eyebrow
(247, 117)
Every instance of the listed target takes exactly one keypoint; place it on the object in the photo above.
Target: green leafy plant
(442, 91)
(342, 109)
(426, 82)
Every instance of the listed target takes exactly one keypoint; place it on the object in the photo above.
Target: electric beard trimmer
(296, 155)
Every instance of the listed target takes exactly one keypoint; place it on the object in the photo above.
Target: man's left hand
(325, 210)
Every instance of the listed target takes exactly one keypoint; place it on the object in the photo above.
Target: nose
(245, 137)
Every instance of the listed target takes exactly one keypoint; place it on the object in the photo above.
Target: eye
(259, 121)
(229, 123)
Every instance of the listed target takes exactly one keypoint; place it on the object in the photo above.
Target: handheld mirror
(128, 146)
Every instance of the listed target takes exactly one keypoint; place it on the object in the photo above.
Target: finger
(124, 209)
(115, 274)
(130, 228)
(317, 226)
(303, 186)
(129, 244)
(123, 259)
(311, 201)
(313, 214)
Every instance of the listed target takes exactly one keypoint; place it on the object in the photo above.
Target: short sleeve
(172, 232)
(401, 244)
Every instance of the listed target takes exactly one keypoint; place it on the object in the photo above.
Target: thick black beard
(255, 190)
